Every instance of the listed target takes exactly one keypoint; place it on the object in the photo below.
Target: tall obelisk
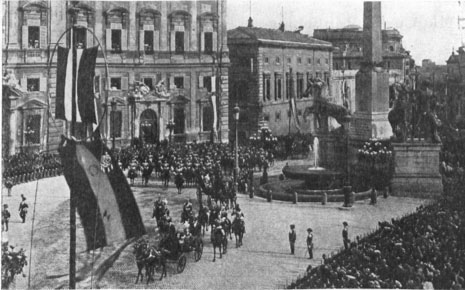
(371, 82)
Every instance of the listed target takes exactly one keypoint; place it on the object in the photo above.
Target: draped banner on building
(292, 105)
(75, 84)
(104, 200)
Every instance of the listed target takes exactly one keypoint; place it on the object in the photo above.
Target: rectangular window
(179, 42)
(300, 85)
(80, 37)
(289, 60)
(309, 61)
(148, 41)
(288, 86)
(277, 116)
(266, 117)
(207, 118)
(208, 41)
(267, 60)
(33, 84)
(179, 82)
(116, 40)
(266, 87)
(326, 61)
(326, 78)
(278, 61)
(349, 65)
(34, 36)
(278, 81)
(116, 121)
(148, 82)
(207, 83)
(299, 60)
(115, 84)
(32, 132)
(318, 61)
(179, 119)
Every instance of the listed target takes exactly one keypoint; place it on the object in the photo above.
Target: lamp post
(236, 155)
(113, 112)
(170, 127)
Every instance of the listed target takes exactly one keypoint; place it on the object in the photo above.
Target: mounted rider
(186, 211)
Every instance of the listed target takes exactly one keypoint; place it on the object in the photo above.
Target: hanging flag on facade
(105, 202)
(214, 108)
(75, 87)
(292, 103)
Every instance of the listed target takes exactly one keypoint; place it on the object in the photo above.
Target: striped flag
(292, 103)
(104, 200)
(75, 87)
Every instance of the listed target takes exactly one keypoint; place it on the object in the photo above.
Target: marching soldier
(292, 238)
(5, 218)
(23, 208)
(310, 243)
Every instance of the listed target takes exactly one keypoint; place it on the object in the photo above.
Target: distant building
(456, 85)
(348, 54)
(182, 43)
(266, 64)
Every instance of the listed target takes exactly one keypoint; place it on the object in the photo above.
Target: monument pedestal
(417, 169)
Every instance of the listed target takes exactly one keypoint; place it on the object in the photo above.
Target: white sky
(430, 28)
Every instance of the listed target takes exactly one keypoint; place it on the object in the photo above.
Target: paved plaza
(263, 261)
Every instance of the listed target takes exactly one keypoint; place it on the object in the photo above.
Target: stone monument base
(417, 169)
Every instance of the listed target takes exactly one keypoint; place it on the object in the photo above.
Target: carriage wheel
(198, 251)
(158, 269)
(181, 263)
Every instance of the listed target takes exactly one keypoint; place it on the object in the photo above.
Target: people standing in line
(292, 238)
(23, 208)
(5, 218)
(345, 235)
(310, 243)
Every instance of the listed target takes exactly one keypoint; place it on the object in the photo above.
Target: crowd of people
(206, 165)
(426, 247)
(25, 167)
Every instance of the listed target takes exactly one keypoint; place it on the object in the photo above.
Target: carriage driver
(187, 207)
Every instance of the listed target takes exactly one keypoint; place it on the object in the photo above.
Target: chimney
(250, 22)
(281, 26)
(299, 29)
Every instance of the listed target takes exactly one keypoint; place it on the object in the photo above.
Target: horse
(398, 116)
(238, 228)
(203, 218)
(140, 251)
(186, 216)
(226, 225)
(155, 257)
(146, 172)
(219, 240)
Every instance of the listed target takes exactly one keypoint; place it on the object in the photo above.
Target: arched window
(34, 26)
(179, 31)
(149, 30)
(117, 30)
(208, 32)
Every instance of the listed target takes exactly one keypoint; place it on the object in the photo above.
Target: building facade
(348, 55)
(267, 66)
(455, 87)
(182, 43)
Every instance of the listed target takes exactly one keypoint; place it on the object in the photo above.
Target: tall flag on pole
(105, 202)
(76, 86)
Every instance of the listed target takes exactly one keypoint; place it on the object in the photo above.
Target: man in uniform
(23, 208)
(310, 243)
(345, 235)
(5, 218)
(292, 238)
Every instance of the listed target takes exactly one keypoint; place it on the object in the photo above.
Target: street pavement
(264, 261)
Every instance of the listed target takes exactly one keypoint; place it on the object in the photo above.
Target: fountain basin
(315, 178)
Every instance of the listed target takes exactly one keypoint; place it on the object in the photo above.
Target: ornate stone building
(182, 43)
(455, 87)
(266, 64)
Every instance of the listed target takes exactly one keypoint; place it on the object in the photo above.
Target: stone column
(13, 24)
(372, 82)
(13, 125)
(132, 26)
(164, 26)
(194, 34)
(99, 22)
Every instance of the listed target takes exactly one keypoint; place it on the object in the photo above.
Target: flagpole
(72, 205)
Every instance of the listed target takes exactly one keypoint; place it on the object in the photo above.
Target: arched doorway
(148, 127)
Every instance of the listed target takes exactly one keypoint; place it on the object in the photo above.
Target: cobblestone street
(263, 261)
